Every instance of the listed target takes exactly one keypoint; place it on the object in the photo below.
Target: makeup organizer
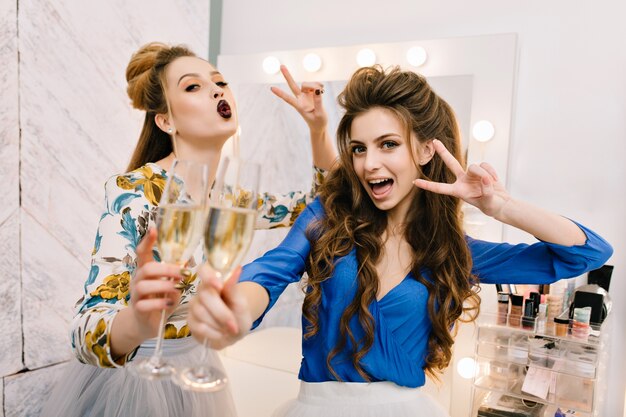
(529, 371)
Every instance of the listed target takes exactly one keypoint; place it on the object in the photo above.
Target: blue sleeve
(539, 263)
(286, 263)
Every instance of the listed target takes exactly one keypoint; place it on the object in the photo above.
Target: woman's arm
(307, 100)
(544, 225)
(479, 186)
(105, 330)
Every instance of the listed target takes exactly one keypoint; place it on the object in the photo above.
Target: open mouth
(380, 186)
(223, 109)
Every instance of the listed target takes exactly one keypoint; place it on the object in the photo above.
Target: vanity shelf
(529, 373)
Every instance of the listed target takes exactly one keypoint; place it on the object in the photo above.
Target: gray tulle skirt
(350, 399)
(89, 391)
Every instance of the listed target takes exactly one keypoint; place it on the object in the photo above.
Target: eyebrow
(195, 74)
(380, 138)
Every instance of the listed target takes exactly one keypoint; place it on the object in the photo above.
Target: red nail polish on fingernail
(317, 92)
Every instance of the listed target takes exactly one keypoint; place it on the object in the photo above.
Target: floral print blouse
(130, 206)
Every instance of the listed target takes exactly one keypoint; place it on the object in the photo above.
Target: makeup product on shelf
(568, 293)
(555, 305)
(515, 315)
(542, 318)
(561, 325)
(580, 323)
(536, 299)
(586, 296)
(528, 319)
(503, 308)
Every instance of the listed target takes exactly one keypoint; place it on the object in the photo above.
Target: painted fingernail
(317, 92)
(321, 91)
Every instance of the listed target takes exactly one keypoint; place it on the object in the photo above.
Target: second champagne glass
(228, 233)
(180, 219)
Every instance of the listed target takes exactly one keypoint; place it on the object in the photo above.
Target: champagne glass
(227, 236)
(180, 220)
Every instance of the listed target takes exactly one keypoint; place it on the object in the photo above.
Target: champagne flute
(179, 220)
(228, 232)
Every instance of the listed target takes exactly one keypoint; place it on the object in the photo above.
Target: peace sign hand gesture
(307, 100)
(478, 186)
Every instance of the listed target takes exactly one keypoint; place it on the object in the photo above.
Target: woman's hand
(150, 290)
(478, 186)
(219, 312)
(307, 100)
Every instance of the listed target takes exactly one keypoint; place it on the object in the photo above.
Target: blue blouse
(402, 324)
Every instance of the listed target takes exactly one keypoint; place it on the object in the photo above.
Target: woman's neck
(211, 157)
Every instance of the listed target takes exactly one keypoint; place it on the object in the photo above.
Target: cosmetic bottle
(542, 318)
(555, 305)
(535, 297)
(517, 302)
(528, 319)
(503, 308)
(561, 325)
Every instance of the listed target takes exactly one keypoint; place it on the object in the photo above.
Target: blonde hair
(145, 75)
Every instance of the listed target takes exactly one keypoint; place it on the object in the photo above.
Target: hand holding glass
(179, 220)
(227, 236)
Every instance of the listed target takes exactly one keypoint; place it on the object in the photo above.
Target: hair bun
(138, 72)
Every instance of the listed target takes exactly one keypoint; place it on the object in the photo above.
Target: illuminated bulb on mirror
(271, 65)
(483, 131)
(416, 56)
(312, 62)
(365, 57)
(466, 367)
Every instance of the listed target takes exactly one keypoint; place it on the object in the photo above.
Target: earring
(169, 130)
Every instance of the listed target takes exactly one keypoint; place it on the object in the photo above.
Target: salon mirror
(474, 74)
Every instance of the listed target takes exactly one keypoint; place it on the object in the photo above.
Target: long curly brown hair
(434, 224)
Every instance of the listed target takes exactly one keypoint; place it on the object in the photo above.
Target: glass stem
(205, 343)
(205, 352)
(159, 344)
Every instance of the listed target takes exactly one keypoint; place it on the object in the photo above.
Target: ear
(427, 151)
(164, 124)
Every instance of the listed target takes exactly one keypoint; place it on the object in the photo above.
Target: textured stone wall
(65, 126)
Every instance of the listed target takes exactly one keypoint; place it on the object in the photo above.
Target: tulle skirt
(351, 399)
(89, 391)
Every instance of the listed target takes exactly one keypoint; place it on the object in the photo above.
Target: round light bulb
(483, 131)
(416, 56)
(271, 65)
(312, 62)
(365, 57)
(466, 367)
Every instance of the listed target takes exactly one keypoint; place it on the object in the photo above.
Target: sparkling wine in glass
(228, 233)
(180, 220)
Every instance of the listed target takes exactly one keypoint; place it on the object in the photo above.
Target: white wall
(569, 128)
(66, 125)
